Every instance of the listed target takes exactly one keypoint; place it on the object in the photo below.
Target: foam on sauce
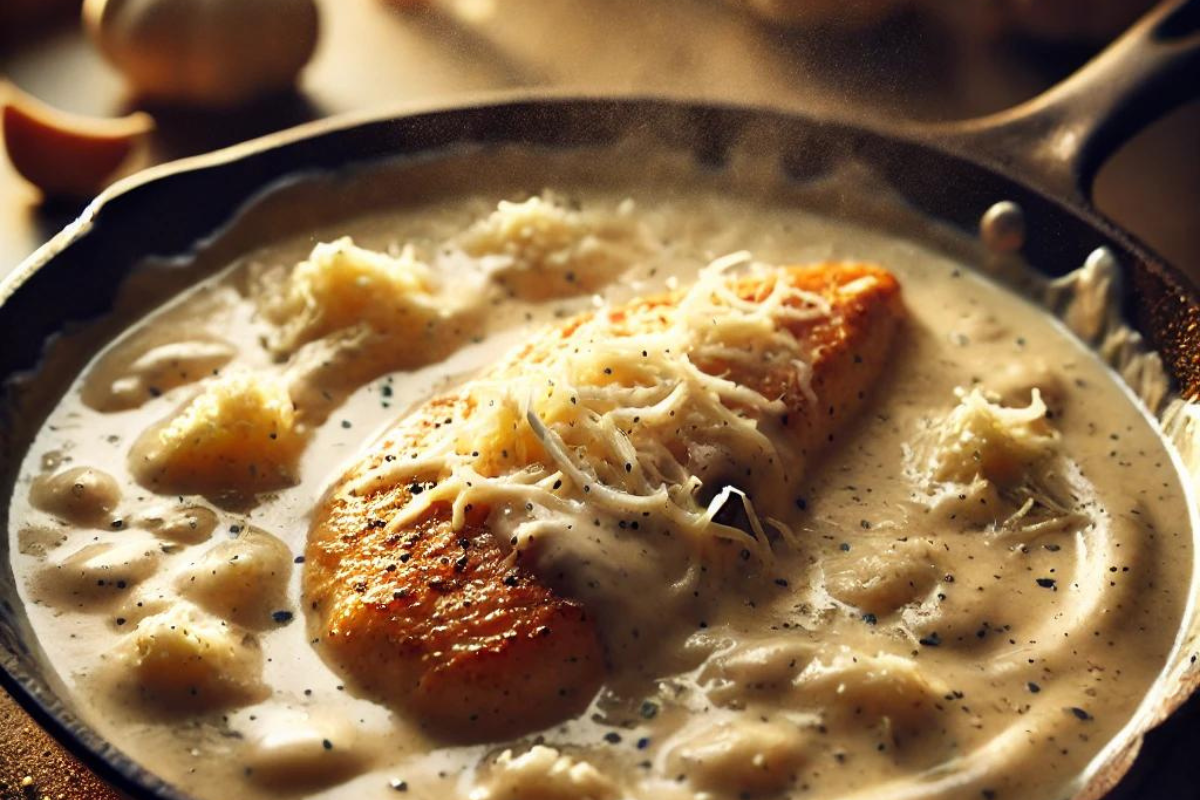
(985, 585)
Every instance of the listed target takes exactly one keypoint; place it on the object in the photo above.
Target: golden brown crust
(445, 625)
(448, 625)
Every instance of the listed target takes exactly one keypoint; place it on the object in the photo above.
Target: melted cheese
(240, 433)
(183, 657)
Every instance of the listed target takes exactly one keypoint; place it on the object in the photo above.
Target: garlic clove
(207, 54)
(61, 153)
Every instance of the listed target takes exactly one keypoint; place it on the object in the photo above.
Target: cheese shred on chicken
(619, 418)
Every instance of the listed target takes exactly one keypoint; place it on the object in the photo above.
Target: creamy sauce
(927, 633)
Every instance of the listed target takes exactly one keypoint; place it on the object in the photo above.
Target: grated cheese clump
(186, 656)
(542, 248)
(239, 434)
(984, 439)
(1000, 468)
(342, 286)
(625, 417)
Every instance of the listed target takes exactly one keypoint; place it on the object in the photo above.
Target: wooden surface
(373, 56)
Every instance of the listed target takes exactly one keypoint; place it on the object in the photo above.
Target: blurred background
(848, 59)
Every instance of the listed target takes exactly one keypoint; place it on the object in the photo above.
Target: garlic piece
(65, 154)
(215, 53)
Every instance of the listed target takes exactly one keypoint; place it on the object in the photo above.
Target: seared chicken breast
(419, 590)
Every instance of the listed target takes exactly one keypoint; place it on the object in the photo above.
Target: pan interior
(963, 297)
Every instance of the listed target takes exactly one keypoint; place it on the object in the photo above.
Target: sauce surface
(940, 627)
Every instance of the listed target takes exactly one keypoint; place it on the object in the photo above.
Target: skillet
(1041, 155)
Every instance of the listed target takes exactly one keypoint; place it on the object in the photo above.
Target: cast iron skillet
(1041, 155)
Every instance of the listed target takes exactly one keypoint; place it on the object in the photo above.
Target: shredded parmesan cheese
(984, 439)
(543, 248)
(623, 417)
(343, 286)
(984, 455)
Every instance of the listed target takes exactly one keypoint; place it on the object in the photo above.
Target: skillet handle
(1058, 140)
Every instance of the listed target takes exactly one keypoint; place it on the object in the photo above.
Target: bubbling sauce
(988, 570)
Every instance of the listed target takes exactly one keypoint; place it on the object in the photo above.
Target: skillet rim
(34, 691)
